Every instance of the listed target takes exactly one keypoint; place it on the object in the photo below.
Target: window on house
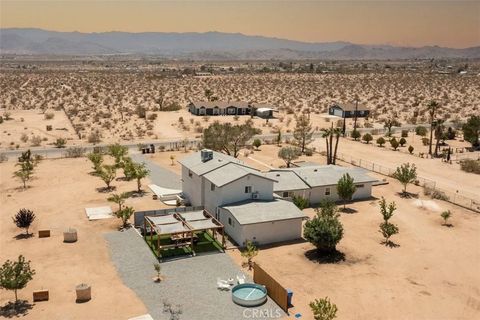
(212, 187)
(189, 173)
(360, 185)
(327, 191)
(248, 189)
(285, 194)
(230, 221)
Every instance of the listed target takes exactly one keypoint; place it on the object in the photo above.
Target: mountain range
(207, 46)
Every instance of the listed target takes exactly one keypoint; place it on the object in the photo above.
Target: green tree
(250, 252)
(323, 309)
(389, 124)
(257, 143)
(228, 138)
(14, 275)
(387, 229)
(410, 149)
(394, 143)
(118, 152)
(23, 219)
(346, 188)
(405, 174)
(303, 132)
(325, 230)
(288, 154)
(421, 131)
(471, 130)
(107, 174)
(27, 164)
(367, 137)
(445, 216)
(402, 141)
(387, 210)
(432, 109)
(381, 141)
(119, 199)
(97, 160)
(328, 134)
(138, 171)
(300, 202)
(125, 214)
(355, 135)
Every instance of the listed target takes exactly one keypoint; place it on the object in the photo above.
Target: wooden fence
(275, 290)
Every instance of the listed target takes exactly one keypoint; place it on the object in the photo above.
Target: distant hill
(208, 46)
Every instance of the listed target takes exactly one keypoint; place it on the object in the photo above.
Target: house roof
(350, 106)
(195, 164)
(286, 181)
(230, 172)
(328, 175)
(220, 104)
(254, 211)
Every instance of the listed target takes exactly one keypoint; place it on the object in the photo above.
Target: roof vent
(315, 170)
(206, 155)
(278, 174)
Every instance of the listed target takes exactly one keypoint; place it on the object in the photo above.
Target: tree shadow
(325, 257)
(106, 189)
(23, 236)
(348, 210)
(15, 309)
(407, 195)
(390, 244)
(136, 194)
(448, 225)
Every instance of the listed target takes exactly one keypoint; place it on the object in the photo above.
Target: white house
(240, 197)
(317, 182)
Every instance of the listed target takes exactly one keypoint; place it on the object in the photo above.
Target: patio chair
(241, 278)
(222, 284)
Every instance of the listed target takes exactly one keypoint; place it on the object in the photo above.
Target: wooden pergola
(182, 228)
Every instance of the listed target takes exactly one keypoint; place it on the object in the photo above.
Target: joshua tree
(325, 230)
(125, 214)
(446, 215)
(432, 108)
(346, 188)
(14, 275)
(406, 174)
(288, 154)
(323, 309)
(303, 132)
(23, 219)
(119, 199)
(249, 253)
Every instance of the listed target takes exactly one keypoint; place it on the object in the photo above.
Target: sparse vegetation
(15, 275)
(249, 253)
(445, 216)
(346, 188)
(405, 174)
(470, 165)
(323, 309)
(289, 154)
(23, 219)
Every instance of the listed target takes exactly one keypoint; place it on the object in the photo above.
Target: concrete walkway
(158, 174)
(189, 282)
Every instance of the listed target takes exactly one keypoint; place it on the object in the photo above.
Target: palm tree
(439, 131)
(432, 108)
(119, 199)
(337, 132)
(326, 134)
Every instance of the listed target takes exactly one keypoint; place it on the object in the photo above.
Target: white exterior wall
(235, 191)
(317, 194)
(192, 187)
(262, 233)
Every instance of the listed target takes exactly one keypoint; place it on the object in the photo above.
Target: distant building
(230, 108)
(347, 110)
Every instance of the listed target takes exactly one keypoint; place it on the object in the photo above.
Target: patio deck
(190, 282)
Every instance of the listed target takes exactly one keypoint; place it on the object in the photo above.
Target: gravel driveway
(159, 175)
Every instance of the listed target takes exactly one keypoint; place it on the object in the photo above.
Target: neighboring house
(264, 110)
(347, 110)
(216, 108)
(317, 183)
(219, 182)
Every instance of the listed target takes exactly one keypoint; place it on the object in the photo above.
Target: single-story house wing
(262, 222)
(215, 108)
(348, 110)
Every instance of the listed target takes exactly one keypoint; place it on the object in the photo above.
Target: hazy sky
(414, 23)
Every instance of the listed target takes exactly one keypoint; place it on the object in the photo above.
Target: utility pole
(355, 119)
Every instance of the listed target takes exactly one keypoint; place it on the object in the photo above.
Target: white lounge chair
(241, 278)
(222, 284)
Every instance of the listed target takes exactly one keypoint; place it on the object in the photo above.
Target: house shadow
(325, 257)
(348, 210)
(15, 309)
(282, 243)
(106, 189)
(23, 236)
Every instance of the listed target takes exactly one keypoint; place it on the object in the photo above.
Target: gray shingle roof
(231, 172)
(251, 211)
(286, 181)
(195, 164)
(328, 175)
(220, 104)
(351, 106)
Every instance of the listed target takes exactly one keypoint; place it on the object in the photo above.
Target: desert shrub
(381, 141)
(445, 216)
(24, 138)
(367, 137)
(404, 133)
(3, 157)
(410, 149)
(323, 309)
(36, 141)
(309, 152)
(60, 142)
(94, 137)
(173, 106)
(355, 134)
(471, 166)
(434, 193)
(140, 111)
(394, 143)
(257, 143)
(75, 152)
(402, 141)
(152, 116)
(425, 141)
(421, 131)
(300, 202)
(49, 116)
(325, 230)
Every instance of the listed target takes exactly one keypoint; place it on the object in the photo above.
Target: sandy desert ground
(58, 196)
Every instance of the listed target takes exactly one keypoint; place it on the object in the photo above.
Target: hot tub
(249, 294)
